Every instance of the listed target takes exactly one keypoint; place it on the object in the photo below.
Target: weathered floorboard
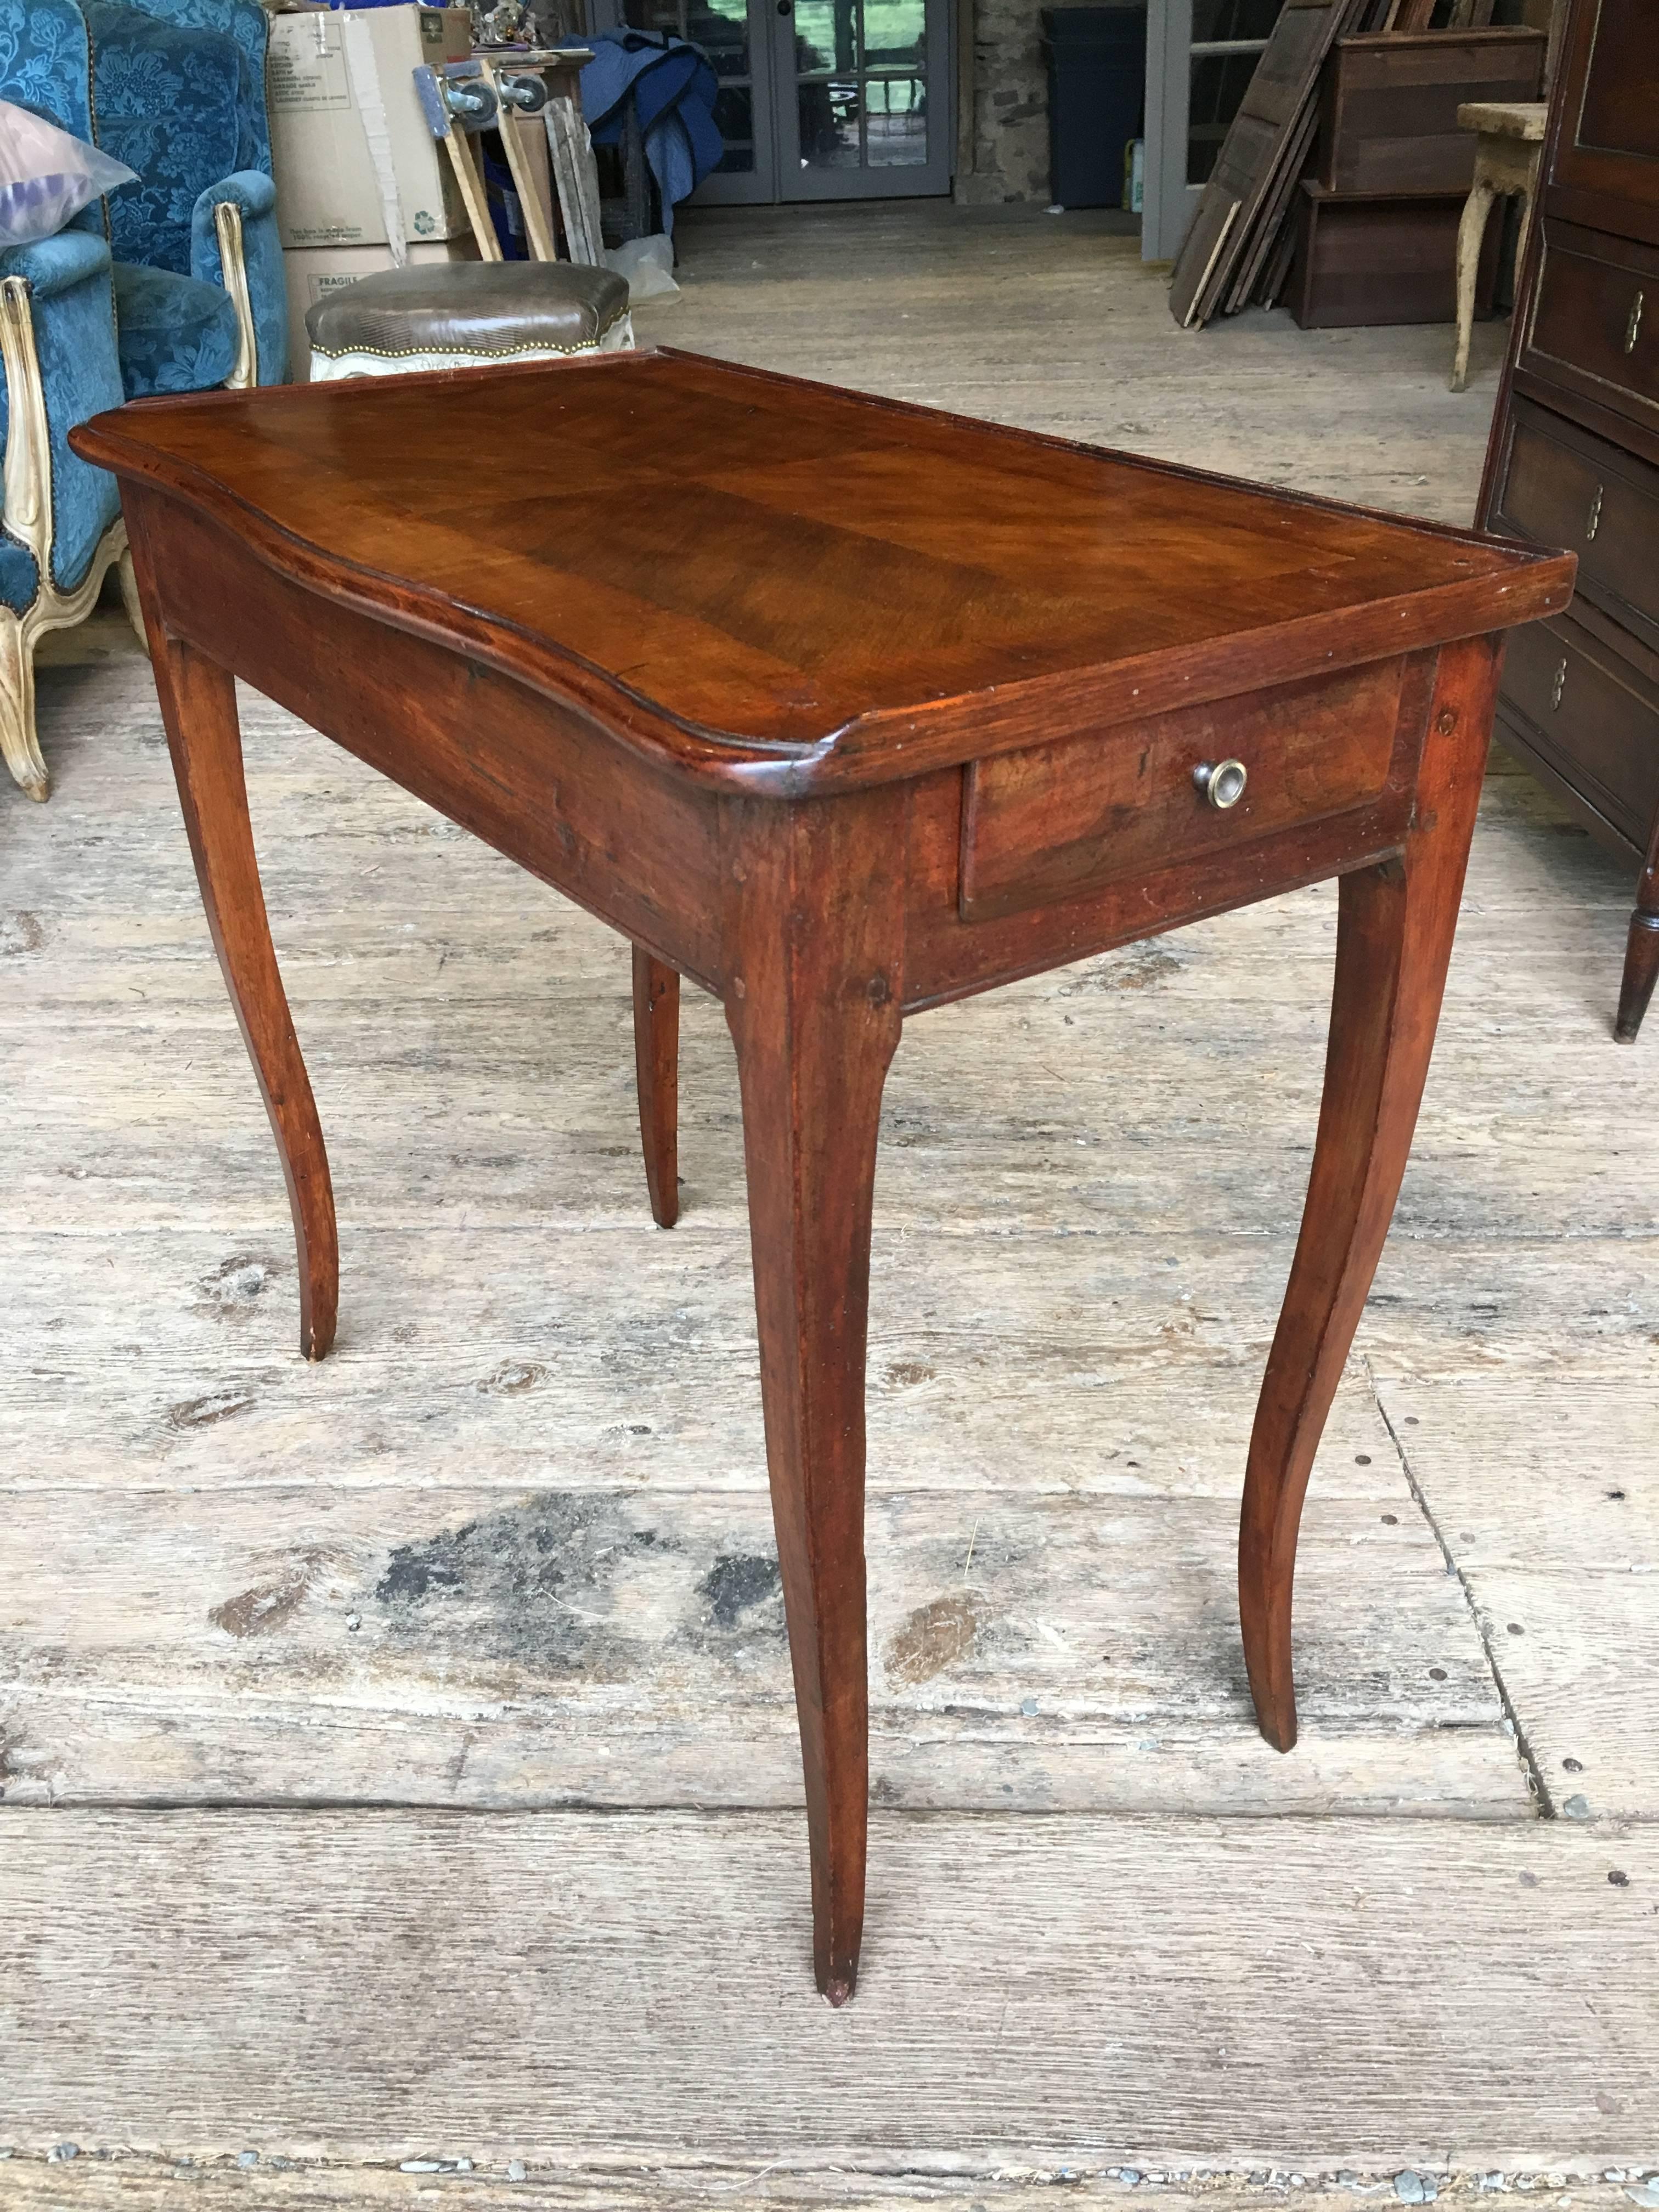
(633, 1987)
(1558, 1547)
(577, 1645)
(138, 2182)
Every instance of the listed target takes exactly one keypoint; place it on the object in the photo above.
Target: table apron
(540, 782)
(641, 847)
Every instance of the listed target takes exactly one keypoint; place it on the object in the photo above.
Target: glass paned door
(862, 97)
(1201, 56)
(1228, 37)
(821, 100)
(727, 30)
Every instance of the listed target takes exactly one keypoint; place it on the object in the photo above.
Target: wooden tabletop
(760, 561)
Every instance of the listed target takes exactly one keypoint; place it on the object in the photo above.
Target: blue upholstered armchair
(191, 297)
(178, 94)
(60, 524)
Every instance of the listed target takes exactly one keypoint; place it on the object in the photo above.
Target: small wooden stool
(1508, 145)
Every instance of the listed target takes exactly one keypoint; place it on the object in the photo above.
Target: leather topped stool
(465, 315)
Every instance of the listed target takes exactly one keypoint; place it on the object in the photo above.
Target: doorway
(1201, 56)
(821, 100)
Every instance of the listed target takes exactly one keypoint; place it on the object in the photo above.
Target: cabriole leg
(1393, 941)
(17, 739)
(1471, 232)
(199, 706)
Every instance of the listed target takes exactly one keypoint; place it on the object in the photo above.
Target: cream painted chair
(1508, 145)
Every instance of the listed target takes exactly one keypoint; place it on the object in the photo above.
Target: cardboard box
(347, 131)
(312, 271)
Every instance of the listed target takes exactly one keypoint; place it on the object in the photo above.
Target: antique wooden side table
(843, 709)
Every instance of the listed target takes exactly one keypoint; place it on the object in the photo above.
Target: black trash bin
(1096, 90)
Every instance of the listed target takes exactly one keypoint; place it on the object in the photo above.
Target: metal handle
(1222, 782)
(1560, 683)
(1633, 326)
(1593, 523)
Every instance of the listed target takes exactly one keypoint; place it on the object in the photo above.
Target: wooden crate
(1388, 103)
(1384, 258)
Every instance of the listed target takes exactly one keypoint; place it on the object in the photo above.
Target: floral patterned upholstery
(176, 335)
(168, 107)
(183, 104)
(245, 21)
(44, 65)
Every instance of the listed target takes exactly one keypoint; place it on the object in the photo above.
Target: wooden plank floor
(399, 1753)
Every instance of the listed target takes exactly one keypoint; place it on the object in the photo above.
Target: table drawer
(1057, 821)
(1577, 702)
(1595, 321)
(1563, 487)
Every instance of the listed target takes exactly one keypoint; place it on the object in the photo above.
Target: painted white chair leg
(1471, 232)
(17, 739)
(129, 583)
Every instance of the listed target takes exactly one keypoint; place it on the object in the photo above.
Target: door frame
(748, 187)
(1167, 199)
(1169, 202)
(775, 127)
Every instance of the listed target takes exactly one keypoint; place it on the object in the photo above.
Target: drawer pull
(1222, 782)
(1560, 683)
(1634, 325)
(1595, 522)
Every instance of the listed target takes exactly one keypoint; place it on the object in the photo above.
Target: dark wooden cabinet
(1388, 103)
(1376, 221)
(1574, 458)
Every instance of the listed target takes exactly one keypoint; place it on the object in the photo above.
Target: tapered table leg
(1641, 947)
(815, 930)
(199, 706)
(1393, 941)
(657, 1065)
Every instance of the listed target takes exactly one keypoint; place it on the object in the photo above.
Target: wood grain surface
(1033, 1992)
(142, 2182)
(790, 591)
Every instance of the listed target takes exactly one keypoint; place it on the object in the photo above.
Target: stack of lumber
(1244, 236)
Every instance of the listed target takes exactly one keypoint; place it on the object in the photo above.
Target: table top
(754, 559)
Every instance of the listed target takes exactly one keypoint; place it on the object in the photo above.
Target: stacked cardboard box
(360, 181)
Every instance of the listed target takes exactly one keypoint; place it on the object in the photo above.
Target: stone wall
(1011, 103)
(1010, 106)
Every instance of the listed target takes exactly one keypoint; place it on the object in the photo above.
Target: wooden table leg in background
(199, 706)
(815, 938)
(1395, 932)
(1641, 947)
(656, 1063)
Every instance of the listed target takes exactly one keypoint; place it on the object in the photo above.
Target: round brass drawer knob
(1222, 782)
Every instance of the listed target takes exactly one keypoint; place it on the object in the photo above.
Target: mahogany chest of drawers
(1574, 457)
